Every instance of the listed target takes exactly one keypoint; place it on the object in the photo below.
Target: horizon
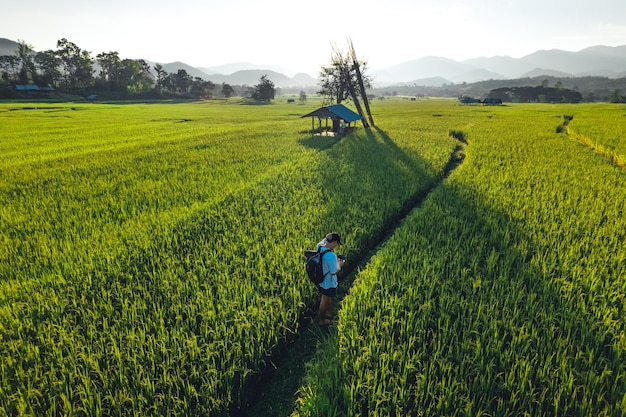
(248, 65)
(254, 65)
(292, 37)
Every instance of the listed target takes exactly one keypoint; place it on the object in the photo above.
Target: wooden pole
(358, 105)
(357, 69)
(344, 69)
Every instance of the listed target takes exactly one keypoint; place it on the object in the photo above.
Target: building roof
(28, 87)
(32, 87)
(336, 111)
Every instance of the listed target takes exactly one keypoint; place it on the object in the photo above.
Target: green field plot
(151, 254)
(601, 127)
(502, 294)
(151, 258)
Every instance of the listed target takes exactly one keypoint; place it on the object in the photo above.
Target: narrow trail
(274, 393)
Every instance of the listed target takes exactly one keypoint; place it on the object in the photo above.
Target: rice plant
(502, 294)
(151, 254)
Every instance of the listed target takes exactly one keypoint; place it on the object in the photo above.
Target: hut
(342, 119)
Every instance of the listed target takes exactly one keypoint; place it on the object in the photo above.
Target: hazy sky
(298, 35)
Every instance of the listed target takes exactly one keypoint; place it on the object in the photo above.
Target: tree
(345, 79)
(201, 88)
(9, 67)
(83, 76)
(25, 55)
(67, 51)
(302, 96)
(541, 94)
(161, 80)
(227, 90)
(133, 76)
(264, 90)
(48, 64)
(177, 83)
(143, 80)
(110, 71)
(181, 81)
(334, 81)
(616, 97)
(77, 64)
(340, 77)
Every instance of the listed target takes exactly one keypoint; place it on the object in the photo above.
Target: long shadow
(357, 157)
(494, 295)
(279, 382)
(318, 142)
(533, 338)
(489, 290)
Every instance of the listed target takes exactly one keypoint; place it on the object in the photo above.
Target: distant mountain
(251, 77)
(422, 68)
(504, 65)
(245, 73)
(538, 72)
(304, 79)
(173, 67)
(603, 61)
(434, 69)
(430, 82)
(7, 47)
(227, 69)
(478, 74)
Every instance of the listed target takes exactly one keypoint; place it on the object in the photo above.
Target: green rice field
(151, 258)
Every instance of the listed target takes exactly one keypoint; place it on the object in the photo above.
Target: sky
(299, 36)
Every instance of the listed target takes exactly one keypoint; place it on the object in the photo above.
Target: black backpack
(314, 269)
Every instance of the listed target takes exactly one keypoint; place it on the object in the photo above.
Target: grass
(495, 297)
(151, 259)
(145, 245)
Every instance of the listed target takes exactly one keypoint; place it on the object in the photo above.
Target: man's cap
(334, 237)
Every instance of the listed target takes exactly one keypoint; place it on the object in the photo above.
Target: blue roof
(338, 111)
(32, 87)
(27, 87)
(344, 112)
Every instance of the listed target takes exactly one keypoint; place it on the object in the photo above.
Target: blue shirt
(330, 265)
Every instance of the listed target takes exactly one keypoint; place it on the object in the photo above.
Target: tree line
(541, 94)
(591, 88)
(72, 69)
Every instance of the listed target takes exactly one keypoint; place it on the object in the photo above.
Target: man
(331, 266)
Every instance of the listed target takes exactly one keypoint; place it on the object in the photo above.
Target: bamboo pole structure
(357, 69)
(344, 69)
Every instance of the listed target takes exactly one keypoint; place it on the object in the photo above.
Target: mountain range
(604, 61)
(243, 73)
